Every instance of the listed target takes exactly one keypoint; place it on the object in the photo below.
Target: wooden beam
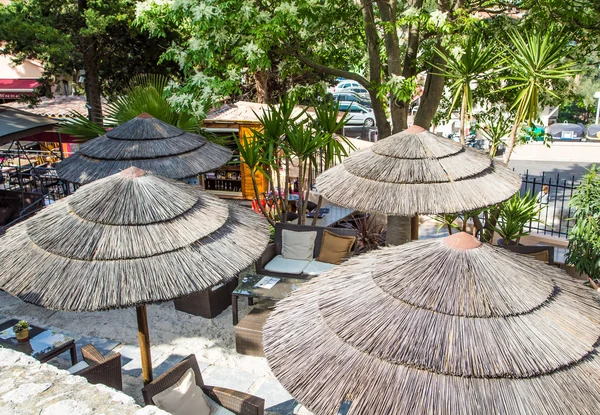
(144, 338)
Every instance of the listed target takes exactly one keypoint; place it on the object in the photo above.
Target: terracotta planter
(23, 335)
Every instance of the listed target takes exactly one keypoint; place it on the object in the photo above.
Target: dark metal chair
(543, 253)
(238, 402)
(105, 370)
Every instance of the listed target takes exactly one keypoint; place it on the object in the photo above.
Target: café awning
(14, 88)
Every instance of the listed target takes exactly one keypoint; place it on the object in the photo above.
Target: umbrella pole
(144, 338)
(414, 228)
(398, 230)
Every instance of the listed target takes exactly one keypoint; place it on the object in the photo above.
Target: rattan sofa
(274, 249)
(238, 402)
(101, 369)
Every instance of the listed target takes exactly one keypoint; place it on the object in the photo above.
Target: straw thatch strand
(418, 172)
(147, 143)
(87, 253)
(426, 328)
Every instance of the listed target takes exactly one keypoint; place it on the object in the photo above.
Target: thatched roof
(443, 326)
(129, 239)
(147, 143)
(418, 172)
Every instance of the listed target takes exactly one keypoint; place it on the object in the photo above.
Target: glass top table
(246, 288)
(43, 344)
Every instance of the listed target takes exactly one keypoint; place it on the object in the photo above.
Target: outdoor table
(246, 288)
(43, 344)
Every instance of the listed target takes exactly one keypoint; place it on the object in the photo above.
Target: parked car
(352, 97)
(351, 86)
(358, 114)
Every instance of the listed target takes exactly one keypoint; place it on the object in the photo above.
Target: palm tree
(145, 93)
(494, 125)
(478, 60)
(325, 120)
(534, 60)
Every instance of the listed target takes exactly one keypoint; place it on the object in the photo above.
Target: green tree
(383, 45)
(584, 236)
(535, 59)
(69, 35)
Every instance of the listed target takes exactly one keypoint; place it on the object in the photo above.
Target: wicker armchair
(237, 402)
(105, 370)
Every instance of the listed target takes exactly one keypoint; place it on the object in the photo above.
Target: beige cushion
(335, 247)
(540, 256)
(298, 245)
(286, 266)
(183, 398)
(316, 267)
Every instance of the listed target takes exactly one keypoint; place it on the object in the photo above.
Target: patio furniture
(145, 142)
(237, 402)
(440, 326)
(43, 344)
(102, 369)
(416, 172)
(272, 262)
(249, 333)
(127, 240)
(541, 253)
(246, 288)
(208, 303)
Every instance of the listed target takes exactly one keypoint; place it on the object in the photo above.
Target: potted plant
(21, 330)
(513, 215)
(584, 237)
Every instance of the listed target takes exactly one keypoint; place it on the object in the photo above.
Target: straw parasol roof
(147, 143)
(129, 239)
(418, 172)
(442, 326)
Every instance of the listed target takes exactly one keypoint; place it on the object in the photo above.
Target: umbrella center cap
(415, 129)
(133, 172)
(144, 115)
(462, 240)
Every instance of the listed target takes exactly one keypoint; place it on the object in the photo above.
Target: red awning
(14, 88)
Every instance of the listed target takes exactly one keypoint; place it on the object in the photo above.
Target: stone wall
(28, 387)
(565, 151)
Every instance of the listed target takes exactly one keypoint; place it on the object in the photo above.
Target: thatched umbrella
(418, 172)
(125, 241)
(147, 143)
(442, 326)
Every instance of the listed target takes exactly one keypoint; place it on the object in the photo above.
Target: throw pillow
(184, 397)
(335, 247)
(298, 245)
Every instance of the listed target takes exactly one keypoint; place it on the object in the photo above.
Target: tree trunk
(257, 195)
(463, 115)
(432, 94)
(372, 39)
(398, 230)
(261, 81)
(93, 90)
(512, 139)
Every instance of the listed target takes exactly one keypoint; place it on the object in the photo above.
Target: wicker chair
(105, 370)
(237, 402)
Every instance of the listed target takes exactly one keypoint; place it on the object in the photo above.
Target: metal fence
(553, 194)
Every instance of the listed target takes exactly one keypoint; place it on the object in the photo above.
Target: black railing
(553, 195)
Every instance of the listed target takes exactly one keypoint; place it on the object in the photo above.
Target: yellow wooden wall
(262, 182)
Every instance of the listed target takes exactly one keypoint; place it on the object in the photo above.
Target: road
(550, 169)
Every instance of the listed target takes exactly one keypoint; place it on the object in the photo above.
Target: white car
(358, 114)
(351, 86)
